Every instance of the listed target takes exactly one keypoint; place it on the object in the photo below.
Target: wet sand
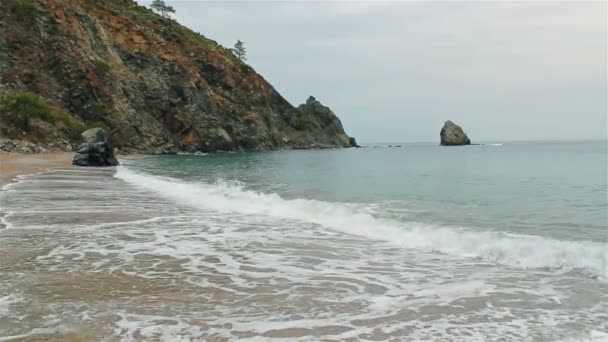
(15, 164)
(19, 164)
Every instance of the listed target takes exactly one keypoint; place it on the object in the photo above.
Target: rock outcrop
(452, 135)
(325, 126)
(156, 86)
(96, 150)
(20, 146)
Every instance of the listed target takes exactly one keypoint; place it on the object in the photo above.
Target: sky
(395, 71)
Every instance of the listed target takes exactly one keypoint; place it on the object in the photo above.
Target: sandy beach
(14, 164)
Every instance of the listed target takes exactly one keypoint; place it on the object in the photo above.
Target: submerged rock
(96, 150)
(453, 135)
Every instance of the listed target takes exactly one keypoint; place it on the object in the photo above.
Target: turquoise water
(505, 242)
(552, 189)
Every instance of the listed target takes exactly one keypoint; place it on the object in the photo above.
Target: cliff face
(157, 86)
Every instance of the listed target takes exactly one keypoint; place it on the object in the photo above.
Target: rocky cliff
(156, 86)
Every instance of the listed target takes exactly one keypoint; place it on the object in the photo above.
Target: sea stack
(96, 150)
(453, 135)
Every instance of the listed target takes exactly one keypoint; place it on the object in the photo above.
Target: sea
(414, 242)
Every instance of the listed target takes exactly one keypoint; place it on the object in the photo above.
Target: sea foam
(527, 251)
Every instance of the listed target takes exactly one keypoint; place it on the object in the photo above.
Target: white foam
(594, 336)
(3, 219)
(134, 327)
(197, 153)
(587, 257)
(6, 302)
(19, 179)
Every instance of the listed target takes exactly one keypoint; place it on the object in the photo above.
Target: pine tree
(161, 7)
(239, 50)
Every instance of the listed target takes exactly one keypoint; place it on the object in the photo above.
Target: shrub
(102, 68)
(19, 108)
(27, 11)
(52, 27)
(73, 128)
(268, 117)
(98, 110)
(302, 123)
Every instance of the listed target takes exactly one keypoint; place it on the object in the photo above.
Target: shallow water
(309, 245)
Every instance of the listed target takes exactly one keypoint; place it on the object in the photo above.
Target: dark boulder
(453, 135)
(96, 150)
(353, 142)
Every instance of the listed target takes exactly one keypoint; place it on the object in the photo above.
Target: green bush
(19, 108)
(52, 27)
(302, 123)
(27, 11)
(73, 128)
(98, 109)
(268, 117)
(102, 68)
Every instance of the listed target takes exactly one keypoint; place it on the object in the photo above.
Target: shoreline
(13, 165)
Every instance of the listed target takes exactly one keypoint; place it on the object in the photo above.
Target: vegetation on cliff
(22, 110)
(155, 85)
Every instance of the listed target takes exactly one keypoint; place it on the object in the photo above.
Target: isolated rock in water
(452, 134)
(353, 142)
(96, 150)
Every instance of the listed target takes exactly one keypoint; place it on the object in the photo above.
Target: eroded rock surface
(96, 150)
(452, 135)
(157, 87)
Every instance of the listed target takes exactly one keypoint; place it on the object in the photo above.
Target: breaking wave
(534, 252)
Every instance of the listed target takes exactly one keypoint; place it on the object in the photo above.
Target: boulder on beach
(453, 135)
(96, 150)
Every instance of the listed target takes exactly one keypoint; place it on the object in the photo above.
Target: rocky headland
(155, 86)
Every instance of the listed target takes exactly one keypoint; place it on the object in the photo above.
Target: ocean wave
(534, 252)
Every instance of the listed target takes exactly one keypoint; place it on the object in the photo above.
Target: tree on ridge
(239, 50)
(161, 7)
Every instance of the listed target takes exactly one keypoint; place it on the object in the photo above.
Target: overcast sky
(395, 71)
